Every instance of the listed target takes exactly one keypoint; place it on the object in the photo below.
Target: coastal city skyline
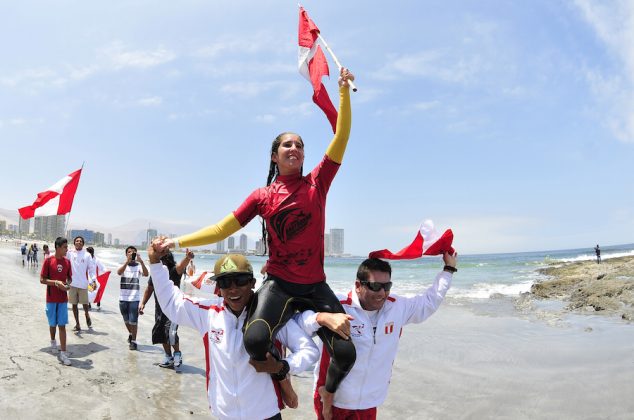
(47, 228)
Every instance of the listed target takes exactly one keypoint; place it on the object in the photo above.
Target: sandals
(77, 328)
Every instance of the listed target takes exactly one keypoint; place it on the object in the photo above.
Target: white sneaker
(54, 348)
(64, 358)
(178, 359)
(168, 362)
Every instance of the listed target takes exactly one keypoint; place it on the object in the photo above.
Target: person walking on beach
(99, 269)
(130, 292)
(46, 251)
(164, 331)
(235, 389)
(29, 255)
(292, 207)
(34, 258)
(23, 251)
(597, 251)
(56, 275)
(83, 268)
(374, 322)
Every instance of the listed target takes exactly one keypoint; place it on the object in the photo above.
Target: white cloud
(441, 65)
(252, 89)
(150, 101)
(614, 25)
(266, 118)
(35, 77)
(416, 108)
(20, 122)
(241, 46)
(119, 57)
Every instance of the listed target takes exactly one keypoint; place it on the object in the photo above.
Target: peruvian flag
(426, 242)
(313, 65)
(57, 199)
(103, 280)
(206, 284)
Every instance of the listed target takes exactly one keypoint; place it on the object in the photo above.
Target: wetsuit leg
(342, 352)
(269, 311)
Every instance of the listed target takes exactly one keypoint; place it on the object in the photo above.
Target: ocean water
(479, 277)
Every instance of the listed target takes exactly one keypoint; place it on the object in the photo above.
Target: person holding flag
(292, 207)
(374, 321)
(99, 283)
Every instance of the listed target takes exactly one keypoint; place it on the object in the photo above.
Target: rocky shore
(607, 287)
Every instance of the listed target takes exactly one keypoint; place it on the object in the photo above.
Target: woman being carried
(292, 207)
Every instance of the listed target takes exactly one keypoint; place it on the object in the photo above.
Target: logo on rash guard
(287, 224)
(59, 268)
(216, 335)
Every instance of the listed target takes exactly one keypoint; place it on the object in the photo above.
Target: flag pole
(67, 224)
(334, 57)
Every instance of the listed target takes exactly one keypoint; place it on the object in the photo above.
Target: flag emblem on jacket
(389, 328)
(216, 335)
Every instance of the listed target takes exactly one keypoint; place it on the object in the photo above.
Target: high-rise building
(220, 246)
(13, 228)
(3, 226)
(88, 235)
(231, 243)
(327, 250)
(49, 227)
(116, 242)
(243, 242)
(336, 241)
(24, 226)
(151, 234)
(110, 239)
(259, 247)
(99, 238)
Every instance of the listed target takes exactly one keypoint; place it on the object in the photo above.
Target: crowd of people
(253, 340)
(29, 254)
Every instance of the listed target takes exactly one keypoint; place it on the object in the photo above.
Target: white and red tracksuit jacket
(367, 383)
(234, 389)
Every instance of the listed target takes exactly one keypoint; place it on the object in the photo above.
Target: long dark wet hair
(273, 173)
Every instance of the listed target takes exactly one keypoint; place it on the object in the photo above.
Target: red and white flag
(313, 65)
(57, 199)
(426, 242)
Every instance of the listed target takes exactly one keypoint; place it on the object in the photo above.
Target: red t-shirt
(56, 269)
(294, 208)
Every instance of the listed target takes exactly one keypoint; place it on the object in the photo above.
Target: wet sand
(489, 359)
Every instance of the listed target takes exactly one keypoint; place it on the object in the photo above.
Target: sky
(511, 123)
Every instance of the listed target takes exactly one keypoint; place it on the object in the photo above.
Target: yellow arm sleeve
(210, 234)
(337, 146)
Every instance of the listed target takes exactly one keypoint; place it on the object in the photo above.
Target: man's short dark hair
(59, 242)
(130, 247)
(373, 264)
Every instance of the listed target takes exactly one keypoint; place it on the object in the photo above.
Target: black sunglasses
(375, 286)
(240, 281)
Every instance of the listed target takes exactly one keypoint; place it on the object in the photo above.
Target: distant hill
(11, 216)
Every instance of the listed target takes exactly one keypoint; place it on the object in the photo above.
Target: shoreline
(469, 361)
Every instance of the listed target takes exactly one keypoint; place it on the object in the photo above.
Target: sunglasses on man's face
(239, 281)
(375, 286)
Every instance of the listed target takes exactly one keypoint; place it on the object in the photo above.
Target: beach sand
(490, 359)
